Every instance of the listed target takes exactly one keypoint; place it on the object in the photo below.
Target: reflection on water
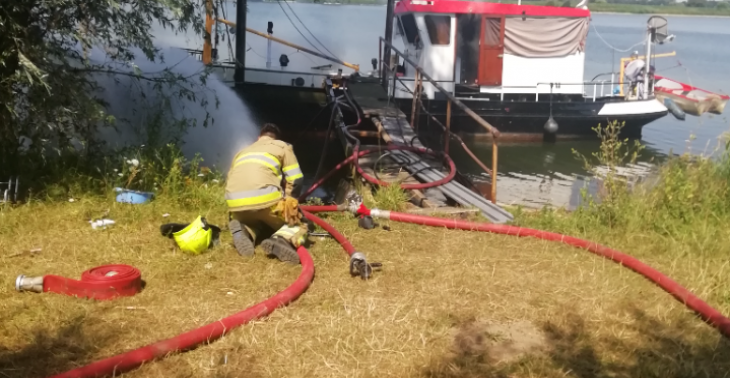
(535, 175)
(532, 174)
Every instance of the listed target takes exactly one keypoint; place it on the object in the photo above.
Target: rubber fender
(674, 109)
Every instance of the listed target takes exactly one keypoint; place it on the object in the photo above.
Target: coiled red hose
(189, 340)
(704, 310)
(357, 154)
(101, 283)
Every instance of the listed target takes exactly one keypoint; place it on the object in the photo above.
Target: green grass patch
(446, 303)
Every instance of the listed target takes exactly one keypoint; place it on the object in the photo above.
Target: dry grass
(447, 304)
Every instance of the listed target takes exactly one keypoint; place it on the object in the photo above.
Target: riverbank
(670, 10)
(711, 10)
(446, 304)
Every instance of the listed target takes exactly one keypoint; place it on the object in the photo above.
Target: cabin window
(439, 29)
(408, 24)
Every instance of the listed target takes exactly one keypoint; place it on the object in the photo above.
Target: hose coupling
(354, 201)
(359, 266)
(34, 284)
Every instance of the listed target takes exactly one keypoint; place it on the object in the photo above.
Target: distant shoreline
(662, 14)
(598, 8)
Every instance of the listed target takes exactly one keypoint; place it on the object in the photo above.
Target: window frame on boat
(410, 28)
(433, 22)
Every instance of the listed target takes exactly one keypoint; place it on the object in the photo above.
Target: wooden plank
(446, 210)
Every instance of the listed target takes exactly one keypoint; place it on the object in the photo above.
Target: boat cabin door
(491, 51)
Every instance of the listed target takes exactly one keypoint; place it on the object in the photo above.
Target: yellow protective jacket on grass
(255, 177)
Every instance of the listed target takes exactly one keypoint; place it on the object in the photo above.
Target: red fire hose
(357, 154)
(346, 245)
(705, 311)
(101, 283)
(189, 340)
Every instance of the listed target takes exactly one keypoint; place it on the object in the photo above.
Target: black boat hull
(526, 120)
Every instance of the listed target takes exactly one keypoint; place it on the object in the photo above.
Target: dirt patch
(499, 342)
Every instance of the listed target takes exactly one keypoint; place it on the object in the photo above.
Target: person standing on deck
(258, 205)
(634, 73)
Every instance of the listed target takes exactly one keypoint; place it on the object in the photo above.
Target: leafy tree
(46, 85)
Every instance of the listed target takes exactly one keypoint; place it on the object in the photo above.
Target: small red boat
(690, 99)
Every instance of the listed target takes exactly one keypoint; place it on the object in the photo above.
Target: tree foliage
(46, 84)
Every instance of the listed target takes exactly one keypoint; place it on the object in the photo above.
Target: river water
(529, 174)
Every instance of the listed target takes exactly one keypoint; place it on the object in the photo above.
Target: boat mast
(389, 40)
(647, 58)
(239, 73)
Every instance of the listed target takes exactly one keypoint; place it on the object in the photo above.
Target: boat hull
(524, 121)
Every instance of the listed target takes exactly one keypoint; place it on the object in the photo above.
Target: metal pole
(380, 62)
(415, 101)
(448, 126)
(239, 75)
(388, 38)
(495, 153)
(648, 62)
(268, 53)
(207, 44)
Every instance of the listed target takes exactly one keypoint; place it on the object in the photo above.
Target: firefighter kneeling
(257, 204)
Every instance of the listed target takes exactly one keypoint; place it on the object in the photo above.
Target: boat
(516, 66)
(519, 67)
(690, 99)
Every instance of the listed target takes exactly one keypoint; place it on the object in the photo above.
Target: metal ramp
(394, 128)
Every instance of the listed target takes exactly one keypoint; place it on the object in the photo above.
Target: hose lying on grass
(203, 335)
(704, 310)
(191, 339)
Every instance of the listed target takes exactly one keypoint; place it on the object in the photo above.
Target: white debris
(165, 215)
(101, 223)
(71, 200)
(208, 266)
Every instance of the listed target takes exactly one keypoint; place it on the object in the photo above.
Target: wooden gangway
(393, 127)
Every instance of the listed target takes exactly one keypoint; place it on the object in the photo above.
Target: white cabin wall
(436, 60)
(527, 73)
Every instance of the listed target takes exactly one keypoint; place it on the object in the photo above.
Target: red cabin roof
(456, 7)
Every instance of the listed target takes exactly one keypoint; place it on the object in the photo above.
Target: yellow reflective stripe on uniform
(288, 233)
(292, 172)
(264, 158)
(253, 197)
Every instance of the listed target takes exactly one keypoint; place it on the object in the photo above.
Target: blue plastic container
(133, 196)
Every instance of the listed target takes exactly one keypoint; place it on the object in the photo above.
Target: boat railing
(600, 89)
(421, 75)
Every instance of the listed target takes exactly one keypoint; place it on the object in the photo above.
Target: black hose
(330, 129)
(317, 116)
